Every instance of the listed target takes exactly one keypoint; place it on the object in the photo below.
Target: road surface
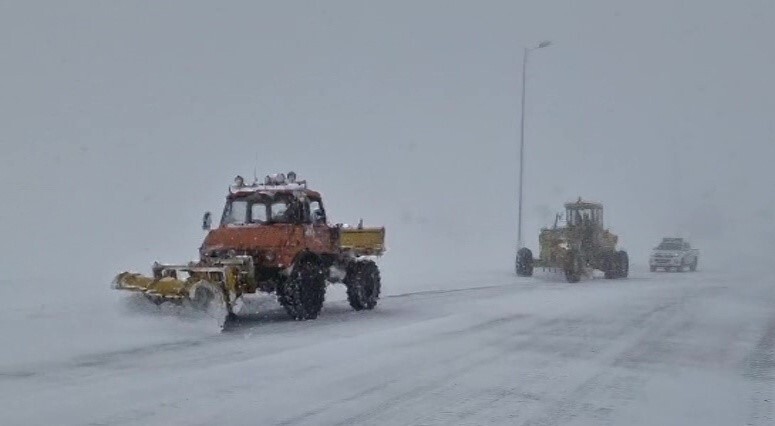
(655, 349)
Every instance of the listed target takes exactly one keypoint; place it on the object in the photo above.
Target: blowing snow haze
(123, 122)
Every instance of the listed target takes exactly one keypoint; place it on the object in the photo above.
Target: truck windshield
(258, 213)
(241, 212)
(236, 213)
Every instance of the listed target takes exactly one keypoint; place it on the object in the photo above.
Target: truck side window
(316, 212)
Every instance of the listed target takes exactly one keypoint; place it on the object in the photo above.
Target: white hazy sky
(121, 122)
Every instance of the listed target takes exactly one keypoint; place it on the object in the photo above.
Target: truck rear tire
(693, 265)
(524, 263)
(363, 285)
(303, 293)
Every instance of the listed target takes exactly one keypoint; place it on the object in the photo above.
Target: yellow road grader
(582, 244)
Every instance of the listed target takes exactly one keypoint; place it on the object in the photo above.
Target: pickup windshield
(670, 246)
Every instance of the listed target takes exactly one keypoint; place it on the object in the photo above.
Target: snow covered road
(656, 349)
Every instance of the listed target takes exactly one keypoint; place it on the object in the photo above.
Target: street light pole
(522, 149)
(525, 55)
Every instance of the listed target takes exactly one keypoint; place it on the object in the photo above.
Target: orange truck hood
(249, 238)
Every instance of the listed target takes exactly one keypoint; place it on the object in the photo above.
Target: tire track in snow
(450, 366)
(612, 366)
(760, 368)
(275, 316)
(444, 379)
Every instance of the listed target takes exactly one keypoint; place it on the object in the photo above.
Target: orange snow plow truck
(273, 237)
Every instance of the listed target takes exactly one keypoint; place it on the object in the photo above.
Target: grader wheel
(623, 264)
(611, 265)
(573, 267)
(524, 263)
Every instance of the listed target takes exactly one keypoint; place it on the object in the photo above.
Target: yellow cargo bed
(363, 241)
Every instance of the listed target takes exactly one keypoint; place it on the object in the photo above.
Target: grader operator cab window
(584, 216)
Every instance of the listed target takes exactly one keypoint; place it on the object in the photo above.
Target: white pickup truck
(674, 254)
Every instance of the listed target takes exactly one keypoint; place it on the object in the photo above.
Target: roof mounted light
(275, 179)
(272, 182)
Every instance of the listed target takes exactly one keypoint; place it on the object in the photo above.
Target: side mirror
(207, 220)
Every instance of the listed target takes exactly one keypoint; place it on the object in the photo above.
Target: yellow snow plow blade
(167, 283)
(166, 287)
(363, 241)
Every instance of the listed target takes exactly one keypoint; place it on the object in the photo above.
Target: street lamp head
(545, 43)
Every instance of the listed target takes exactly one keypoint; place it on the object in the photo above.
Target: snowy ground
(656, 349)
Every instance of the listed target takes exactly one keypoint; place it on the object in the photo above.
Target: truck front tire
(302, 294)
